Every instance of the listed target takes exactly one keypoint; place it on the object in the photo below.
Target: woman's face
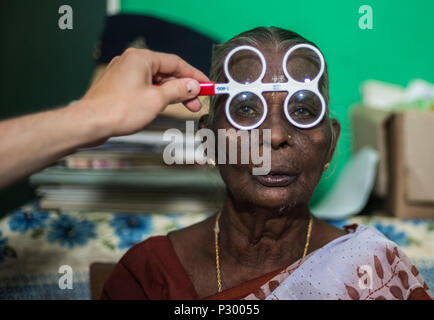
(297, 163)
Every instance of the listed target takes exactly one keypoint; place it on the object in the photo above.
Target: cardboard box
(368, 128)
(406, 148)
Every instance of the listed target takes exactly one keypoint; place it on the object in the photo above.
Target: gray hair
(280, 38)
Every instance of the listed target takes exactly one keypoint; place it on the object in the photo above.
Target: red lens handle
(206, 88)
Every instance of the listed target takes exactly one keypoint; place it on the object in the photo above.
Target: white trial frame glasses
(257, 87)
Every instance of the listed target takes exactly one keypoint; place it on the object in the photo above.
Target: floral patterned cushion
(35, 244)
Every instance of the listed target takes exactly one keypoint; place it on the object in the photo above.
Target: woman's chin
(275, 197)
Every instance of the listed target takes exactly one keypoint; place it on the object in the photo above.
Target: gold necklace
(217, 254)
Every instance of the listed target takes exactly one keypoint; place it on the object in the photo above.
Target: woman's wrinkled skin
(263, 227)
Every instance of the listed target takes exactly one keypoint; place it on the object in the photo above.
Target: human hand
(124, 98)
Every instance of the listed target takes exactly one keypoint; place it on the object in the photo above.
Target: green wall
(400, 46)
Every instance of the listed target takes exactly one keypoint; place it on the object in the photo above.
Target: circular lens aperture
(303, 65)
(304, 108)
(245, 66)
(246, 110)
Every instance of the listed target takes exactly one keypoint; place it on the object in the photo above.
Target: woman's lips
(276, 180)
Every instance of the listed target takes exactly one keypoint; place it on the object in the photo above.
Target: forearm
(31, 143)
(121, 102)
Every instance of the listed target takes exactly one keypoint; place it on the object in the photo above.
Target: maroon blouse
(150, 270)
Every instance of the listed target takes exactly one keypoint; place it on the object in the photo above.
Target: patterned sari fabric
(362, 265)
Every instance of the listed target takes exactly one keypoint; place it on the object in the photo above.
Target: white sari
(361, 265)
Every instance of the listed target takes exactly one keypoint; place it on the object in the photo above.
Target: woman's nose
(281, 129)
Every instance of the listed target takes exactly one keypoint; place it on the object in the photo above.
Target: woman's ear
(335, 134)
(203, 122)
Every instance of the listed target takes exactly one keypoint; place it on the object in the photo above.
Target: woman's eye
(302, 112)
(247, 110)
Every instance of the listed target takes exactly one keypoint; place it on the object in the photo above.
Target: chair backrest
(98, 274)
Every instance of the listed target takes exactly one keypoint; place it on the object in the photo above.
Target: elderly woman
(265, 243)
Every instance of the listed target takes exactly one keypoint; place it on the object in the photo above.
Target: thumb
(179, 90)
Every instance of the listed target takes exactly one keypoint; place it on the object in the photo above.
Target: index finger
(171, 64)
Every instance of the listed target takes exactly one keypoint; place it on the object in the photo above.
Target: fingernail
(193, 88)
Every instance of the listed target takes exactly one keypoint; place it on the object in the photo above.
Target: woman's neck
(262, 237)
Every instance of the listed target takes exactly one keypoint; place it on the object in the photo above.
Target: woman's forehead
(245, 66)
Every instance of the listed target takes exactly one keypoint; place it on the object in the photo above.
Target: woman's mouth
(276, 180)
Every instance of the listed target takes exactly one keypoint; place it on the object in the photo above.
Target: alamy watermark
(184, 149)
(66, 278)
(366, 21)
(65, 21)
(365, 277)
